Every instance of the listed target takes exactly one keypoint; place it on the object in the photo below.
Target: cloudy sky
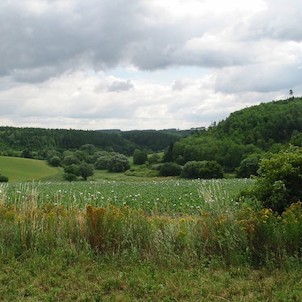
(144, 64)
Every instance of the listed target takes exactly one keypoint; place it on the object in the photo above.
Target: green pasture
(24, 169)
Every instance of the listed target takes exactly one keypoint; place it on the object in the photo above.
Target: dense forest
(250, 133)
(36, 142)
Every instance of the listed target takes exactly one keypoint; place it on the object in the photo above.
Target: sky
(144, 64)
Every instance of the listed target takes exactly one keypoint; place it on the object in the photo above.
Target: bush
(142, 171)
(280, 178)
(139, 157)
(72, 169)
(202, 169)
(191, 170)
(211, 169)
(70, 159)
(86, 170)
(70, 176)
(170, 169)
(249, 166)
(118, 163)
(102, 162)
(3, 178)
(54, 161)
(154, 159)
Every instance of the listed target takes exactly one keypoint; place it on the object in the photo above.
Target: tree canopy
(268, 127)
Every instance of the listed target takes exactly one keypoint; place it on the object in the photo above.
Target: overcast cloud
(144, 64)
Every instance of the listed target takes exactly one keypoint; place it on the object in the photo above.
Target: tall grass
(220, 231)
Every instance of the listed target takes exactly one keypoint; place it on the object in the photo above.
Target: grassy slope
(23, 169)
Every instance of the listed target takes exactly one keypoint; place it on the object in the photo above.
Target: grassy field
(22, 169)
(156, 240)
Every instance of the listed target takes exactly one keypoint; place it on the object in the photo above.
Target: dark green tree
(140, 157)
(88, 148)
(70, 159)
(191, 169)
(118, 163)
(54, 161)
(3, 178)
(73, 168)
(154, 159)
(210, 169)
(202, 169)
(70, 177)
(85, 170)
(170, 169)
(248, 166)
(102, 162)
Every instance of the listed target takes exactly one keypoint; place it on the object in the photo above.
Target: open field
(161, 195)
(24, 169)
(159, 240)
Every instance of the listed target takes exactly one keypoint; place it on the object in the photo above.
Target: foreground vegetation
(69, 275)
(172, 240)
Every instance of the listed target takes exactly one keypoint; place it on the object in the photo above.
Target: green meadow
(155, 240)
(23, 169)
(128, 238)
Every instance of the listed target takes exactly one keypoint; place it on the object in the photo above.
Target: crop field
(164, 196)
(156, 240)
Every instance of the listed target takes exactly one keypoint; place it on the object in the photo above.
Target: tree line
(36, 142)
(240, 141)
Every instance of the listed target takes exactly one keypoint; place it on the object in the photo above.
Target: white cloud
(144, 64)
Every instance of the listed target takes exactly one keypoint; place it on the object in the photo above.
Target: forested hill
(254, 130)
(265, 124)
(35, 142)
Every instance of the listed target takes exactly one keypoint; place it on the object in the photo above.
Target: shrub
(3, 178)
(170, 169)
(70, 176)
(86, 170)
(70, 159)
(72, 169)
(139, 157)
(280, 178)
(54, 161)
(249, 166)
(154, 159)
(102, 162)
(142, 171)
(202, 169)
(118, 163)
(211, 169)
(191, 170)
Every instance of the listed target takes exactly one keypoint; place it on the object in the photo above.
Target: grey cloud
(258, 78)
(119, 86)
(35, 75)
(179, 85)
(279, 21)
(95, 34)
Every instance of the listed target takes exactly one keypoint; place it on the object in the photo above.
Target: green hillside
(256, 130)
(23, 169)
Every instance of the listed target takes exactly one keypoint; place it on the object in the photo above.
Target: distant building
(198, 128)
